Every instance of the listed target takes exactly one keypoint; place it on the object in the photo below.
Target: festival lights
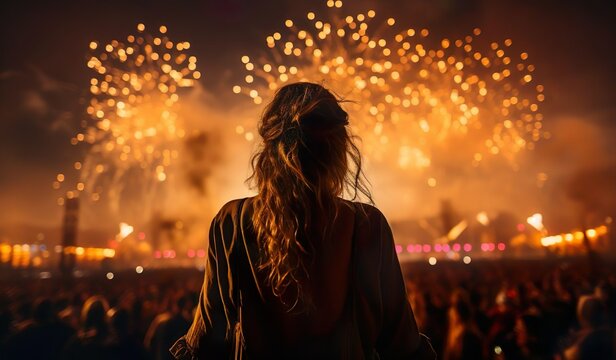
(575, 237)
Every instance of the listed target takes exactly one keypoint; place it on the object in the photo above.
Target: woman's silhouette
(296, 271)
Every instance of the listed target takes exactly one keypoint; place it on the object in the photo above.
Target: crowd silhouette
(516, 309)
(485, 310)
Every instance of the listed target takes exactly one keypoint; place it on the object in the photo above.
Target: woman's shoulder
(371, 227)
(367, 211)
(231, 208)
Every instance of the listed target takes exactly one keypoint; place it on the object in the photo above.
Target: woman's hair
(306, 160)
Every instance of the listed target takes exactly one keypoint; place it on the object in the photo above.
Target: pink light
(446, 248)
(427, 248)
(491, 247)
(485, 247)
(166, 254)
(398, 249)
(201, 253)
(172, 254)
(521, 227)
(418, 248)
(191, 253)
(501, 247)
(141, 235)
(456, 247)
(468, 247)
(438, 247)
(410, 248)
(157, 254)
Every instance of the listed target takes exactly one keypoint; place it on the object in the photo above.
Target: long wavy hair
(307, 159)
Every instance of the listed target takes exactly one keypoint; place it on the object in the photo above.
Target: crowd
(484, 310)
(132, 316)
(517, 309)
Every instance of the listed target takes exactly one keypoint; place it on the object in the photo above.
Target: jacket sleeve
(399, 337)
(209, 336)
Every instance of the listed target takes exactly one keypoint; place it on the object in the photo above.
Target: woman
(92, 340)
(297, 272)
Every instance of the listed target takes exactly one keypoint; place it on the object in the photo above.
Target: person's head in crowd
(184, 305)
(461, 310)
(528, 330)
(502, 300)
(120, 321)
(24, 310)
(43, 311)
(605, 292)
(591, 312)
(60, 303)
(94, 313)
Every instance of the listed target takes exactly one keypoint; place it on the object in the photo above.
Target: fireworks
(133, 130)
(424, 101)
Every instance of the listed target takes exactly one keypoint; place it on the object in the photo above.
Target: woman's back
(270, 325)
(361, 311)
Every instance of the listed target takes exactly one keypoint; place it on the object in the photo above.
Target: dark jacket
(377, 320)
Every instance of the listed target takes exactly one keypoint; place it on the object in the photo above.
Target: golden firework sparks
(414, 97)
(133, 128)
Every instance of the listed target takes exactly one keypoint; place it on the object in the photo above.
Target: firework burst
(133, 132)
(414, 97)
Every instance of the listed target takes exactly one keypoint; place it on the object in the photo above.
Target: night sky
(44, 81)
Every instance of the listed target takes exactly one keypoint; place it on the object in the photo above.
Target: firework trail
(415, 98)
